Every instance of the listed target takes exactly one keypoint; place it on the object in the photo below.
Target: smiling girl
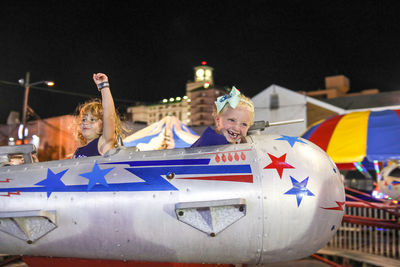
(233, 117)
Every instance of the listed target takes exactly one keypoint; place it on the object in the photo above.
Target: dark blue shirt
(90, 150)
(210, 138)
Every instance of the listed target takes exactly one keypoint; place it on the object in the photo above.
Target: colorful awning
(352, 137)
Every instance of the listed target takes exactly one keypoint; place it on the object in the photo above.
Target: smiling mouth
(232, 134)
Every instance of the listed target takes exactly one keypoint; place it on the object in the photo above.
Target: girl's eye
(244, 124)
(231, 120)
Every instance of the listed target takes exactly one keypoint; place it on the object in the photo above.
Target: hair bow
(233, 99)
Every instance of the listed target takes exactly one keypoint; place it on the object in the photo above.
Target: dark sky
(149, 48)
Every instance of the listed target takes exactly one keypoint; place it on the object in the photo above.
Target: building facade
(194, 109)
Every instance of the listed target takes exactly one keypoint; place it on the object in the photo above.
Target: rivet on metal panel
(25, 168)
(181, 213)
(72, 199)
(59, 165)
(118, 245)
(241, 208)
(265, 197)
(129, 157)
(258, 250)
(170, 175)
(212, 234)
(187, 189)
(29, 241)
(154, 195)
(258, 197)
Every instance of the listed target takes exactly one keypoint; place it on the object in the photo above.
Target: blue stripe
(179, 143)
(155, 185)
(163, 162)
(383, 136)
(310, 131)
(144, 140)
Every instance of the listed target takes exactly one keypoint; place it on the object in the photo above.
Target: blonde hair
(244, 102)
(95, 107)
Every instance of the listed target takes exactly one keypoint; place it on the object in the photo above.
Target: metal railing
(370, 229)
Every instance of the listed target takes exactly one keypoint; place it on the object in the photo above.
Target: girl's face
(233, 123)
(91, 127)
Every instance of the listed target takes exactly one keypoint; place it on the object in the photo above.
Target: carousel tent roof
(167, 133)
(351, 137)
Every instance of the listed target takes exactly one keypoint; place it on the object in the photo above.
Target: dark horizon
(149, 49)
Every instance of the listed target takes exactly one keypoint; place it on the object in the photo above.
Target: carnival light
(376, 166)
(362, 169)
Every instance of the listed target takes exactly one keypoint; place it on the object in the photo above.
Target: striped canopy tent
(167, 133)
(356, 136)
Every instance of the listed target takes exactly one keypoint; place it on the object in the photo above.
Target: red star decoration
(279, 164)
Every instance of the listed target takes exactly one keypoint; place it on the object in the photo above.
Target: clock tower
(202, 93)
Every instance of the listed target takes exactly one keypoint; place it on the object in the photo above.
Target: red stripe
(322, 135)
(346, 166)
(228, 178)
(398, 112)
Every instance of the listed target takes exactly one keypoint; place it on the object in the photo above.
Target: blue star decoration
(299, 189)
(291, 139)
(52, 181)
(96, 176)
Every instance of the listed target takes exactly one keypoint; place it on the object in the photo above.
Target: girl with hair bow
(233, 116)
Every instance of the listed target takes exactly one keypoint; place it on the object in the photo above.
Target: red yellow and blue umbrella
(352, 137)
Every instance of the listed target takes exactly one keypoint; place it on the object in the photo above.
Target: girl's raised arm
(107, 139)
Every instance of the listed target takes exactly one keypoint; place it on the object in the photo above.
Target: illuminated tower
(202, 94)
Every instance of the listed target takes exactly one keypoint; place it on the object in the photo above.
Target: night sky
(149, 48)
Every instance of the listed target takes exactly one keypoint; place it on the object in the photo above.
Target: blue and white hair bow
(233, 99)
